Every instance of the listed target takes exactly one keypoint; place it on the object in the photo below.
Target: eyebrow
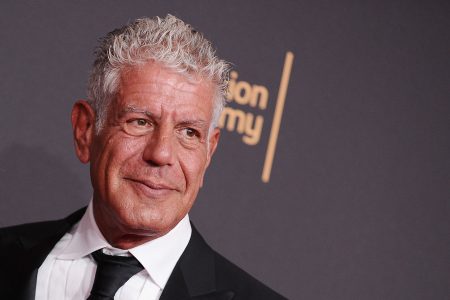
(197, 123)
(133, 109)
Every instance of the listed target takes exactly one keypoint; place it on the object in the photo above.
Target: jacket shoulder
(32, 232)
(245, 286)
(29, 234)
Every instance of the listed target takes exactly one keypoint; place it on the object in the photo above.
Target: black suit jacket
(200, 274)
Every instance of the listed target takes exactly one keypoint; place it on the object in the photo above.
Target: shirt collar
(158, 256)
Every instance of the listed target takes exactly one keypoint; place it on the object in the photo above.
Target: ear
(213, 141)
(83, 125)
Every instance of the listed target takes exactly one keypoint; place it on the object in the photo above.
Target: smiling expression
(148, 162)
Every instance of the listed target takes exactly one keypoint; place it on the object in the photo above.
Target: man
(148, 131)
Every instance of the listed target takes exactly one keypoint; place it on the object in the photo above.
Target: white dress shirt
(68, 272)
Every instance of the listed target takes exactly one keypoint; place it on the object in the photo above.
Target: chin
(147, 224)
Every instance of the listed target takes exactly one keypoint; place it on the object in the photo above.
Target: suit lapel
(226, 295)
(35, 252)
(194, 275)
(176, 286)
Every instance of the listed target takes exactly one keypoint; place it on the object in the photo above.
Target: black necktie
(112, 272)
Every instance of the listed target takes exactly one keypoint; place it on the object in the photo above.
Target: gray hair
(167, 40)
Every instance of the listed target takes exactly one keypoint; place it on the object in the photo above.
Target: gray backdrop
(357, 206)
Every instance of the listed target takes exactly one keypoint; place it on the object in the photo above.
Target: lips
(150, 188)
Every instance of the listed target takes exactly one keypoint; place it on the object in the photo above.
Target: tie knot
(102, 258)
(112, 272)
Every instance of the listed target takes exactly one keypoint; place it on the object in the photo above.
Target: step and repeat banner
(331, 178)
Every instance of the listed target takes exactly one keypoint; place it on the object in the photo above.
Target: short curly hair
(168, 41)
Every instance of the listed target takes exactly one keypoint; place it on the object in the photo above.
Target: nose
(159, 150)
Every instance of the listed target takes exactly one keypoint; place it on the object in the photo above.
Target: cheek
(193, 166)
(115, 155)
(126, 157)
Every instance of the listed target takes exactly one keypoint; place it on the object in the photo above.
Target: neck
(121, 236)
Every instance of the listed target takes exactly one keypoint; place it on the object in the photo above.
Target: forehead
(153, 86)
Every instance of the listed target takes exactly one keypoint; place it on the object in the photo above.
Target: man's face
(148, 162)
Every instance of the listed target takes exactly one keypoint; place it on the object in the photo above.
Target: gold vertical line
(276, 122)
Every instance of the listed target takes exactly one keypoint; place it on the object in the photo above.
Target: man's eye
(141, 122)
(191, 133)
(137, 127)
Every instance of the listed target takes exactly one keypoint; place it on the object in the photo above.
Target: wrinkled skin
(148, 162)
